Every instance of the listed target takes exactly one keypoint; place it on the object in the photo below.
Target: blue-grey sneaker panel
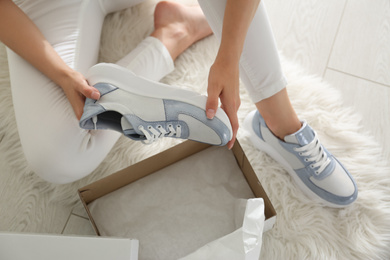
(256, 122)
(91, 109)
(174, 108)
(305, 135)
(132, 134)
(105, 88)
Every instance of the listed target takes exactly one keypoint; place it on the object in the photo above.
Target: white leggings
(56, 148)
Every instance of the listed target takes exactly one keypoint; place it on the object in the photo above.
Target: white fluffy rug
(304, 230)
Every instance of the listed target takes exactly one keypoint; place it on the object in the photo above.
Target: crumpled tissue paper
(242, 244)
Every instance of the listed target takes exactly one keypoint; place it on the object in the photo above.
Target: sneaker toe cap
(338, 183)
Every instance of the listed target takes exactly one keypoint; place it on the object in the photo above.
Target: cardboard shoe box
(152, 166)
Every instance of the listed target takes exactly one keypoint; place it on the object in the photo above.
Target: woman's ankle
(178, 26)
(281, 126)
(279, 114)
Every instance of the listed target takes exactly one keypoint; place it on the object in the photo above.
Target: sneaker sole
(263, 146)
(116, 75)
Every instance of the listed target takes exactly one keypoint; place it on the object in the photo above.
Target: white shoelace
(316, 154)
(94, 121)
(152, 134)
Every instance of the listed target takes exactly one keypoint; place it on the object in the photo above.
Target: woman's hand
(223, 84)
(224, 73)
(77, 89)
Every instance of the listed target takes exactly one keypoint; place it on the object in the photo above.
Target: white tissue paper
(242, 244)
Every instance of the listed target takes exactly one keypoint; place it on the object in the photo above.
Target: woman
(247, 50)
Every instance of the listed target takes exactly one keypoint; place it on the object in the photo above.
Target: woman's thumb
(211, 106)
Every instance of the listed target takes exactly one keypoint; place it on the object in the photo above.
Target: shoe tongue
(130, 131)
(302, 137)
(126, 124)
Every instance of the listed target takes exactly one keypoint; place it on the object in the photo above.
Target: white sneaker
(146, 110)
(316, 171)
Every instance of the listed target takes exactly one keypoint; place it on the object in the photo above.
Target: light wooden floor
(346, 42)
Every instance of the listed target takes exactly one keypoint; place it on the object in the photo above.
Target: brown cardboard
(148, 166)
(253, 181)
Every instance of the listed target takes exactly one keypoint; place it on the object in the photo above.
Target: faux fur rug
(303, 230)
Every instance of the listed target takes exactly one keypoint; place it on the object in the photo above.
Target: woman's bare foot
(178, 26)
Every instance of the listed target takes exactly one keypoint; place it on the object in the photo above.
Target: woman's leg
(278, 131)
(176, 28)
(54, 145)
(56, 148)
(260, 68)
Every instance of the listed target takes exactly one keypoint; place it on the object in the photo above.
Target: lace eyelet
(169, 125)
(159, 126)
(317, 172)
(149, 127)
(306, 160)
(311, 166)
(300, 154)
(178, 126)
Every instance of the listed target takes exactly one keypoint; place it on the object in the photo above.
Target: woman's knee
(58, 168)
